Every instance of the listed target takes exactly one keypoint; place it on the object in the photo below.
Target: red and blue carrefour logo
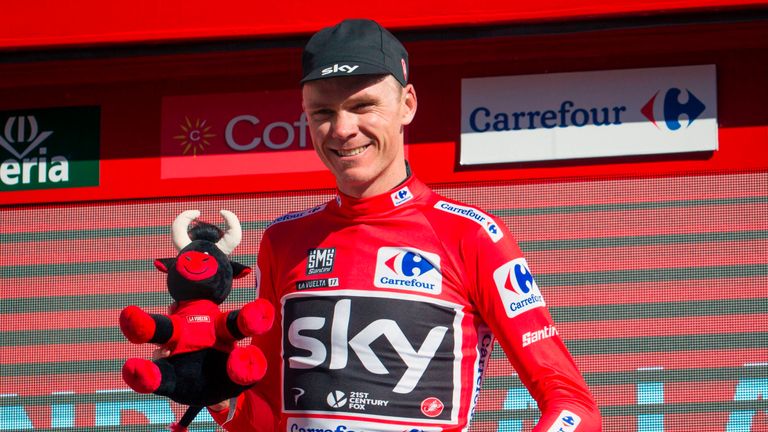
(408, 268)
(523, 279)
(401, 196)
(517, 288)
(671, 109)
(409, 264)
(569, 421)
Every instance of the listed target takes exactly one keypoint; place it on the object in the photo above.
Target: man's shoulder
(293, 217)
(458, 214)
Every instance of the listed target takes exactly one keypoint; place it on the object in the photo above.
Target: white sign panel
(588, 114)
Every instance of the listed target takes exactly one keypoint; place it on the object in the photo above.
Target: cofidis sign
(588, 114)
(234, 134)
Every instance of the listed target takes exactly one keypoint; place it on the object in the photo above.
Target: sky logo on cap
(671, 109)
(345, 68)
(517, 288)
(409, 269)
(401, 196)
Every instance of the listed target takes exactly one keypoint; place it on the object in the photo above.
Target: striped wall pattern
(659, 287)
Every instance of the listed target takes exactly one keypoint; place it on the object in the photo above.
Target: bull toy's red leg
(137, 325)
(246, 365)
(256, 317)
(141, 327)
(143, 376)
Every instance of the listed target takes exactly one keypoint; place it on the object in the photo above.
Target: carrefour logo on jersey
(588, 114)
(473, 214)
(568, 421)
(517, 288)
(331, 425)
(401, 196)
(408, 269)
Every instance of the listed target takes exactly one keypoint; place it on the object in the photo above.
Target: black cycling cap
(354, 47)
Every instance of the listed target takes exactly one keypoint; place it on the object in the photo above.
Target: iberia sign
(234, 134)
(49, 148)
(588, 114)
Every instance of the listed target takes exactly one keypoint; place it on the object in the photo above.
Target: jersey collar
(403, 195)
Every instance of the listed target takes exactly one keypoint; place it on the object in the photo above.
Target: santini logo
(339, 68)
(535, 336)
(408, 269)
(320, 260)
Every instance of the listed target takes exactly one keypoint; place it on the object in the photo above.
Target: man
(389, 297)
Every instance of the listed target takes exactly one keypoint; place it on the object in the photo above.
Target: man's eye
(321, 114)
(363, 106)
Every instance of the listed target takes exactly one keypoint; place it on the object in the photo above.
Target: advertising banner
(588, 115)
(49, 148)
(234, 134)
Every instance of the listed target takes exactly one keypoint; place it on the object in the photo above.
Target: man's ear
(410, 104)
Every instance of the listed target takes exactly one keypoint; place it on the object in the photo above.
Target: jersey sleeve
(254, 409)
(511, 303)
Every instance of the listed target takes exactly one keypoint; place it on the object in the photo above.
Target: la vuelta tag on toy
(205, 366)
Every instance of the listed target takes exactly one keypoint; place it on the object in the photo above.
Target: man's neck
(381, 185)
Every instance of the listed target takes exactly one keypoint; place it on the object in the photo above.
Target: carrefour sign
(588, 114)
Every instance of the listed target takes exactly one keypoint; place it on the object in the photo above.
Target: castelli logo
(432, 407)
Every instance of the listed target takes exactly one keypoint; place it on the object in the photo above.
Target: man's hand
(160, 353)
(219, 406)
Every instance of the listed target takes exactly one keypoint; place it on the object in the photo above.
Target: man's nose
(344, 125)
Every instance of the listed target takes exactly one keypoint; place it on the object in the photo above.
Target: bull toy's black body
(197, 378)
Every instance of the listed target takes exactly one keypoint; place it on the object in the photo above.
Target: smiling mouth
(351, 152)
(196, 272)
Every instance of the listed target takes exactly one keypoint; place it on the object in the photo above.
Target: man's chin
(353, 183)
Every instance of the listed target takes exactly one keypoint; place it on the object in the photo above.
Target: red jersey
(194, 327)
(387, 309)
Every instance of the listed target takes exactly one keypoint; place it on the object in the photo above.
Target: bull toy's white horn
(232, 233)
(179, 229)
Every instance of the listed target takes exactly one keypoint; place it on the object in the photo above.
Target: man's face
(356, 124)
